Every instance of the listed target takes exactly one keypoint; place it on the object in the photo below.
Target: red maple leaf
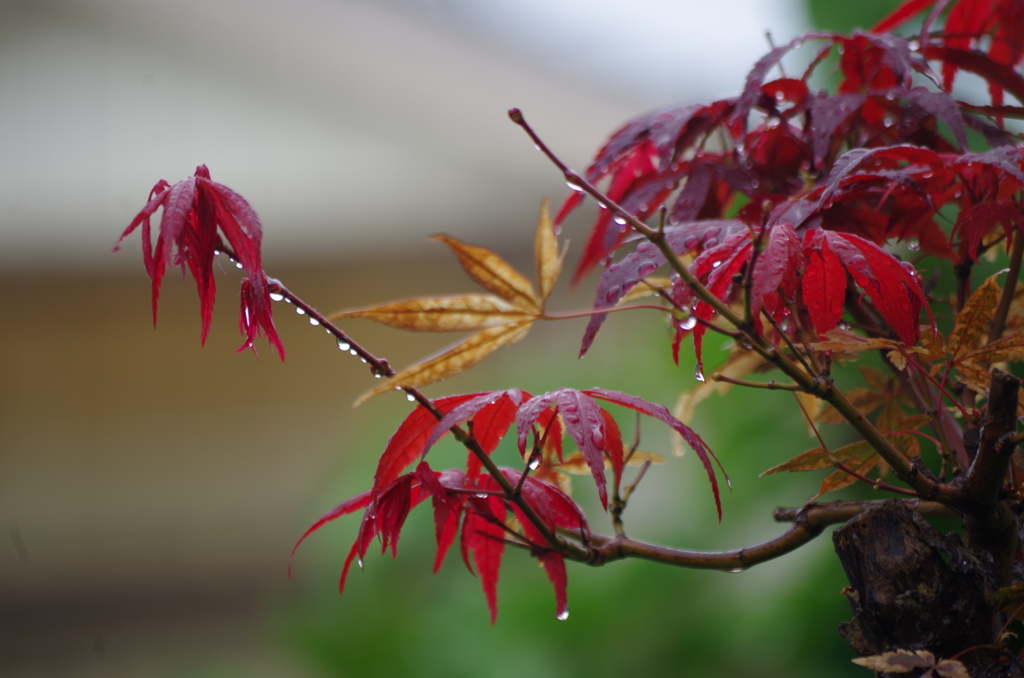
(197, 212)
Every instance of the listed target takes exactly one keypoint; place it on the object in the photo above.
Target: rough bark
(913, 588)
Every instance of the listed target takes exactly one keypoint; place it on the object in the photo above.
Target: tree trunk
(913, 588)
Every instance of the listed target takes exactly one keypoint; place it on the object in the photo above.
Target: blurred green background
(150, 491)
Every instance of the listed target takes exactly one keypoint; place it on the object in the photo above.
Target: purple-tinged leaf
(468, 409)
(661, 413)
(554, 507)
(755, 79)
(944, 108)
(828, 113)
(583, 422)
(626, 274)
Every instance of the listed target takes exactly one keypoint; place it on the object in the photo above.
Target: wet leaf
(862, 462)
(972, 322)
(845, 341)
(456, 359)
(493, 273)
(900, 661)
(950, 668)
(661, 413)
(444, 314)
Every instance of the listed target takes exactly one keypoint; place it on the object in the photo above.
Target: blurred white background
(346, 123)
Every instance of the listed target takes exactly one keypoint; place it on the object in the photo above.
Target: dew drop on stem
(913, 244)
(563, 615)
(353, 352)
(343, 345)
(534, 463)
(410, 397)
(276, 296)
(698, 373)
(314, 322)
(300, 311)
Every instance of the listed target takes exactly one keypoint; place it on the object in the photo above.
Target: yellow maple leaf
(545, 251)
(493, 273)
(845, 341)
(444, 314)
(973, 320)
(500, 318)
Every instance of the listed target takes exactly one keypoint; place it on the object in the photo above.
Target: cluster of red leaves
(475, 500)
(193, 211)
(796, 192)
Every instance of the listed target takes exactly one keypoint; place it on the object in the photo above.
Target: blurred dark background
(150, 489)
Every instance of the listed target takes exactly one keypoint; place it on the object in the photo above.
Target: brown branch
(991, 525)
(833, 513)
(998, 325)
(822, 388)
(607, 549)
(987, 474)
(380, 368)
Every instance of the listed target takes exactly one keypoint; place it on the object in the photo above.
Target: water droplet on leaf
(689, 323)
(913, 244)
(698, 373)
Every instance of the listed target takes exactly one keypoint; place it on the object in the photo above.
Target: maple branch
(992, 524)
(578, 183)
(607, 549)
(822, 388)
(380, 368)
(770, 385)
(998, 325)
(789, 342)
(987, 473)
(833, 513)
